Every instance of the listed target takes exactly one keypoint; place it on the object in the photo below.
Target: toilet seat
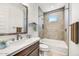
(43, 47)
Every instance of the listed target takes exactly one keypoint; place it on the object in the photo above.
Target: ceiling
(50, 6)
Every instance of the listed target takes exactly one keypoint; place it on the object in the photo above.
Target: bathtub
(56, 45)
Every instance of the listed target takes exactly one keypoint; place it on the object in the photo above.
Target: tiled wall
(54, 30)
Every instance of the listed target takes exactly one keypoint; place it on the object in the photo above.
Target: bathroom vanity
(24, 47)
(32, 50)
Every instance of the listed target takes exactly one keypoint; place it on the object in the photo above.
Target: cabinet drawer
(28, 50)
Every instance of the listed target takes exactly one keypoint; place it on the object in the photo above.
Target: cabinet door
(35, 52)
(33, 49)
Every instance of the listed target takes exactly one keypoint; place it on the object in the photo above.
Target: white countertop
(18, 46)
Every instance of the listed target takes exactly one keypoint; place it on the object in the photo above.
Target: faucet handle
(20, 36)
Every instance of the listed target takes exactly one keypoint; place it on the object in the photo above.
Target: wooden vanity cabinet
(32, 50)
(35, 52)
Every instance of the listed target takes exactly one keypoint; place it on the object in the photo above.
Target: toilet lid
(43, 46)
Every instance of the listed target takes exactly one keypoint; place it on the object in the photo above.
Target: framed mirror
(13, 18)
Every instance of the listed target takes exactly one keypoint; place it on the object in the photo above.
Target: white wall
(32, 17)
(74, 12)
(74, 17)
(66, 18)
(40, 22)
(40, 19)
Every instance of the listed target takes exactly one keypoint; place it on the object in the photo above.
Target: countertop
(18, 46)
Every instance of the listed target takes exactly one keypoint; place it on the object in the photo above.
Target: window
(52, 18)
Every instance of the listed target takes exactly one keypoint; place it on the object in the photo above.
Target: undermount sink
(3, 45)
(10, 42)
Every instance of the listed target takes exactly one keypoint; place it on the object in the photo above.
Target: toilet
(43, 49)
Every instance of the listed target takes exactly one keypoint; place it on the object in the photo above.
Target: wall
(66, 18)
(54, 30)
(32, 17)
(40, 22)
(74, 17)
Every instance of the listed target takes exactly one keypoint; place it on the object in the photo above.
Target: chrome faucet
(19, 36)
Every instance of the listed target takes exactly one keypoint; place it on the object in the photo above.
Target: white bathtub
(56, 45)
